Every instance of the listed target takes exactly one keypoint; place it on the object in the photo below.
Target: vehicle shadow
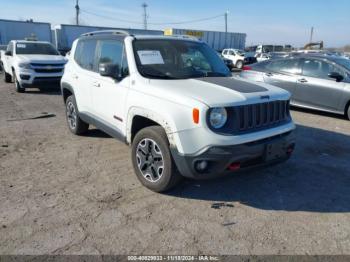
(315, 179)
(96, 133)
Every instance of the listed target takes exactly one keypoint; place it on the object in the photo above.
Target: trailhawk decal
(234, 84)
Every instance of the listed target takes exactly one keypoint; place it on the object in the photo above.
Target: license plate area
(275, 151)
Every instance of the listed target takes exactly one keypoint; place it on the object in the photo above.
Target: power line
(148, 23)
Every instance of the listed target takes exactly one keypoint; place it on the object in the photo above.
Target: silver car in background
(315, 81)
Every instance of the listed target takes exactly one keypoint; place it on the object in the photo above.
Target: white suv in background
(235, 55)
(32, 64)
(175, 102)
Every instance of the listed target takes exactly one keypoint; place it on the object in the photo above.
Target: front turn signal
(195, 115)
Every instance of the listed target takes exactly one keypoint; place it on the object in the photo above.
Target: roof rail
(184, 36)
(112, 32)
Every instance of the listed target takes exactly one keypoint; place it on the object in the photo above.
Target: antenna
(77, 11)
(311, 34)
(145, 16)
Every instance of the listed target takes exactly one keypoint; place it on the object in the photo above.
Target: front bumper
(226, 159)
(53, 81)
(30, 78)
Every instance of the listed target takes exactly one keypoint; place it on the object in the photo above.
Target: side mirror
(338, 77)
(8, 53)
(109, 70)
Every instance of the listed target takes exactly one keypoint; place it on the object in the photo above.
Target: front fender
(166, 122)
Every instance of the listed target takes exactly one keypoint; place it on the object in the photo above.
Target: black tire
(347, 112)
(239, 64)
(18, 86)
(7, 77)
(75, 124)
(169, 176)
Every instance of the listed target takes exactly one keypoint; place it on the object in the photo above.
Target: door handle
(302, 80)
(97, 84)
(269, 74)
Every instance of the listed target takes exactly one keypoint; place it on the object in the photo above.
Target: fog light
(201, 165)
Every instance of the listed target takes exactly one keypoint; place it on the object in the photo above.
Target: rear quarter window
(84, 54)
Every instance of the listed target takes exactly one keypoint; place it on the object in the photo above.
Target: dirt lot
(62, 194)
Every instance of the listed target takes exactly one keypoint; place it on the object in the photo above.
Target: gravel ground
(63, 194)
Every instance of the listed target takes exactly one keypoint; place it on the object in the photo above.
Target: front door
(109, 94)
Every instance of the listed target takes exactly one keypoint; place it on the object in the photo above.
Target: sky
(264, 21)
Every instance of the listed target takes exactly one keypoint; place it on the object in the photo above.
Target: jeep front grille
(255, 117)
(260, 116)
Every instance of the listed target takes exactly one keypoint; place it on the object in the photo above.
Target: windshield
(35, 49)
(343, 62)
(177, 59)
(240, 52)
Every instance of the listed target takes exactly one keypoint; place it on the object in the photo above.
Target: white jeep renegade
(176, 103)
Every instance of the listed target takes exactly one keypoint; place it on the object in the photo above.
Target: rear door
(283, 73)
(85, 71)
(109, 94)
(315, 88)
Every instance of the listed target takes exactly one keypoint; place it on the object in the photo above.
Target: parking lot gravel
(64, 194)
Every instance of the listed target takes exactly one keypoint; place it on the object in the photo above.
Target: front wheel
(18, 86)
(152, 160)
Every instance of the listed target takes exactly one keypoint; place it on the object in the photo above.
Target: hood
(44, 59)
(219, 91)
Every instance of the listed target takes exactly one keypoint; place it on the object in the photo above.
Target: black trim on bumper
(258, 153)
(44, 81)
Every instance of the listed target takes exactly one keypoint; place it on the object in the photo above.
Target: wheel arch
(139, 118)
(66, 90)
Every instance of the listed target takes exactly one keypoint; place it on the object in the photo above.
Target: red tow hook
(290, 149)
(234, 166)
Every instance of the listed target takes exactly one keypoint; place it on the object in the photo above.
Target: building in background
(215, 39)
(20, 30)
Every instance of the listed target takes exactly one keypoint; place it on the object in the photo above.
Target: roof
(34, 42)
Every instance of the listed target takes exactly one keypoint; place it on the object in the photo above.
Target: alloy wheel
(71, 115)
(150, 160)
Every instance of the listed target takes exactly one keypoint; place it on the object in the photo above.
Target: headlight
(218, 117)
(24, 65)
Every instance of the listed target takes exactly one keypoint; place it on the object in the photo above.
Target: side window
(85, 54)
(318, 68)
(10, 47)
(290, 66)
(225, 52)
(112, 52)
(231, 52)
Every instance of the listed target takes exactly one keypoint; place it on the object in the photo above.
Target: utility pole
(77, 11)
(226, 14)
(311, 34)
(144, 5)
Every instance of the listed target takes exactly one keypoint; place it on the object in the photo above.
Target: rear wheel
(18, 86)
(347, 112)
(152, 160)
(239, 64)
(75, 124)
